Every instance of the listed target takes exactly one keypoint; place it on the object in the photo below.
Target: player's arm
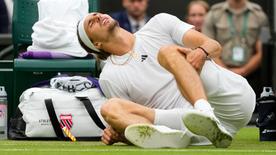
(195, 39)
(183, 34)
(198, 48)
(201, 44)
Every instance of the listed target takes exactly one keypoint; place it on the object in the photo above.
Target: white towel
(56, 28)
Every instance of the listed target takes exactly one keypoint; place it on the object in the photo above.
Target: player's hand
(195, 57)
(110, 136)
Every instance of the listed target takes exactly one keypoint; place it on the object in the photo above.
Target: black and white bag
(266, 121)
(43, 111)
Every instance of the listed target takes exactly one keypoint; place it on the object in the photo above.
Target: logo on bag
(44, 122)
(66, 121)
(268, 131)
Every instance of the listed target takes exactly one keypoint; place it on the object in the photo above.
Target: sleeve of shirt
(173, 26)
(208, 26)
(112, 89)
(264, 19)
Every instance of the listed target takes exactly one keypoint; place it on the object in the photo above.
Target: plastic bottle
(3, 113)
(267, 91)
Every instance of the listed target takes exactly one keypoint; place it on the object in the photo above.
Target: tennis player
(164, 89)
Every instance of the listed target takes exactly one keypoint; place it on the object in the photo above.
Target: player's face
(196, 16)
(99, 26)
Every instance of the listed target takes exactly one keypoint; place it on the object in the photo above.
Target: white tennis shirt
(142, 79)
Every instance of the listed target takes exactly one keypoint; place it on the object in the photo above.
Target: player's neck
(122, 42)
(237, 4)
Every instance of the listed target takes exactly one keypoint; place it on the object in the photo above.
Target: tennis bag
(266, 121)
(43, 112)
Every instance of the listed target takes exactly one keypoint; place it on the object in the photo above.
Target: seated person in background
(135, 15)
(163, 75)
(196, 11)
(236, 25)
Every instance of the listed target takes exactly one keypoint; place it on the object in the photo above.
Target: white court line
(51, 144)
(137, 150)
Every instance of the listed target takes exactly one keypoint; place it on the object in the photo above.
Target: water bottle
(3, 113)
(267, 91)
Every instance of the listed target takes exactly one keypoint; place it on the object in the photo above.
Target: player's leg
(231, 96)
(120, 113)
(186, 76)
(136, 122)
(191, 87)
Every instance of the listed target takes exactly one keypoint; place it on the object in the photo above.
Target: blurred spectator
(196, 11)
(134, 16)
(4, 17)
(5, 29)
(237, 25)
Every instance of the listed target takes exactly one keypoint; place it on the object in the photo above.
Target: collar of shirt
(248, 6)
(134, 23)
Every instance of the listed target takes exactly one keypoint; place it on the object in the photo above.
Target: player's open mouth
(105, 21)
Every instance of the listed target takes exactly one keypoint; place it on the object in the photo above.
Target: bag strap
(53, 117)
(91, 111)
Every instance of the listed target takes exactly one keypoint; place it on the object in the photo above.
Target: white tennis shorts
(229, 94)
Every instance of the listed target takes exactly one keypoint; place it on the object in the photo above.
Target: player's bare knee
(168, 55)
(110, 108)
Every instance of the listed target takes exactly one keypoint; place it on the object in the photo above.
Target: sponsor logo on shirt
(143, 57)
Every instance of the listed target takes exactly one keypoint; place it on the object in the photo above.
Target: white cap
(84, 37)
(2, 91)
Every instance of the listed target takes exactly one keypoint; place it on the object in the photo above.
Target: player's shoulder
(163, 16)
(157, 20)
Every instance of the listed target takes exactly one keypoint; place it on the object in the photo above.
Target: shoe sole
(146, 136)
(203, 125)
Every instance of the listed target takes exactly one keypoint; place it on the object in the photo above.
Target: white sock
(203, 105)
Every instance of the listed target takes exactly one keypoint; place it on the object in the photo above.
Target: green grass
(245, 143)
